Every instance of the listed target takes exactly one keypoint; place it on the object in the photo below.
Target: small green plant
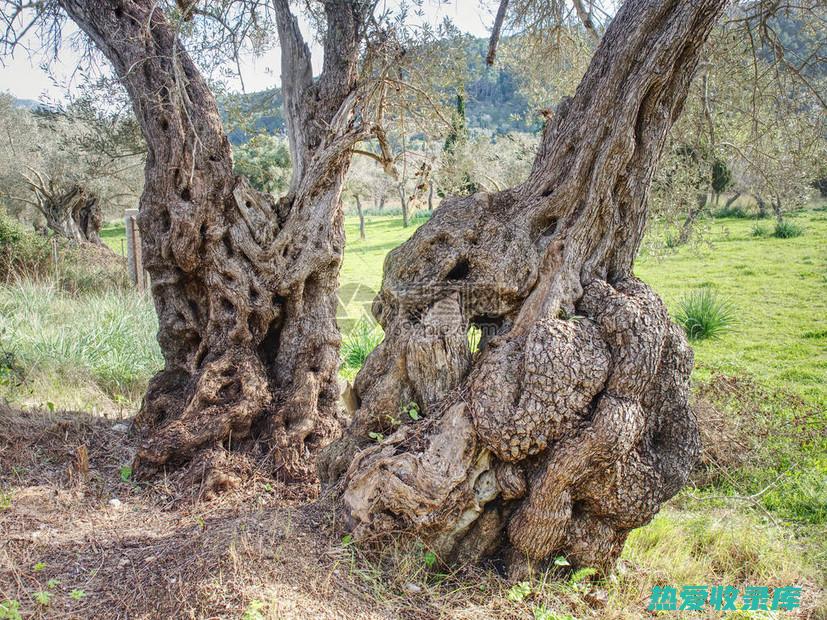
(541, 612)
(578, 579)
(253, 611)
(703, 315)
(785, 229)
(10, 610)
(519, 592)
(39, 566)
(347, 540)
(77, 594)
(411, 410)
(43, 598)
(359, 343)
(52, 583)
(760, 231)
(125, 473)
(429, 558)
(5, 500)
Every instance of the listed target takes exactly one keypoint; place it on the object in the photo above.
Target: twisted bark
(244, 285)
(571, 425)
(70, 211)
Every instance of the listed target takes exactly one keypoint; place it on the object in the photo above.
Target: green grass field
(777, 287)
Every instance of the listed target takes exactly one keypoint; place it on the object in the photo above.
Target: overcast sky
(24, 78)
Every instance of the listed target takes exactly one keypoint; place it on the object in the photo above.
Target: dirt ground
(74, 526)
(80, 539)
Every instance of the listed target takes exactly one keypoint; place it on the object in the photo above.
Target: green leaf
(125, 473)
(347, 540)
(561, 560)
(52, 583)
(39, 567)
(77, 594)
(582, 574)
(50, 406)
(429, 558)
(519, 591)
(377, 437)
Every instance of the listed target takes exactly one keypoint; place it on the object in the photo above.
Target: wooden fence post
(133, 249)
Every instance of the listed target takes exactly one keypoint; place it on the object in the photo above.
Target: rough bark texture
(72, 213)
(244, 285)
(571, 424)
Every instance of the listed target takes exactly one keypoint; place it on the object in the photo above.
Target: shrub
(703, 315)
(733, 211)
(21, 251)
(79, 267)
(787, 230)
(358, 344)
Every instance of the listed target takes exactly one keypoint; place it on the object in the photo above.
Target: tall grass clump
(101, 340)
(358, 344)
(784, 229)
(703, 315)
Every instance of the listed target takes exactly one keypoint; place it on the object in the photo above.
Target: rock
(115, 502)
(120, 427)
(412, 588)
(597, 598)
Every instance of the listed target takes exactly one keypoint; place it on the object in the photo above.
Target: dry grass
(265, 551)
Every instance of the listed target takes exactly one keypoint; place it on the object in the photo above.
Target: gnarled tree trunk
(244, 286)
(70, 212)
(571, 425)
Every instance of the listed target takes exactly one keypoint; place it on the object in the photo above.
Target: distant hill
(27, 104)
(493, 103)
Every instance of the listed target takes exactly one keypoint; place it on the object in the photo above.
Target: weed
(412, 411)
(787, 230)
(42, 598)
(39, 566)
(358, 344)
(77, 594)
(759, 231)
(125, 473)
(10, 610)
(733, 211)
(703, 315)
(519, 592)
(253, 611)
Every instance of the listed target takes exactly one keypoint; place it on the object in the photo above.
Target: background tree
(265, 161)
(66, 168)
